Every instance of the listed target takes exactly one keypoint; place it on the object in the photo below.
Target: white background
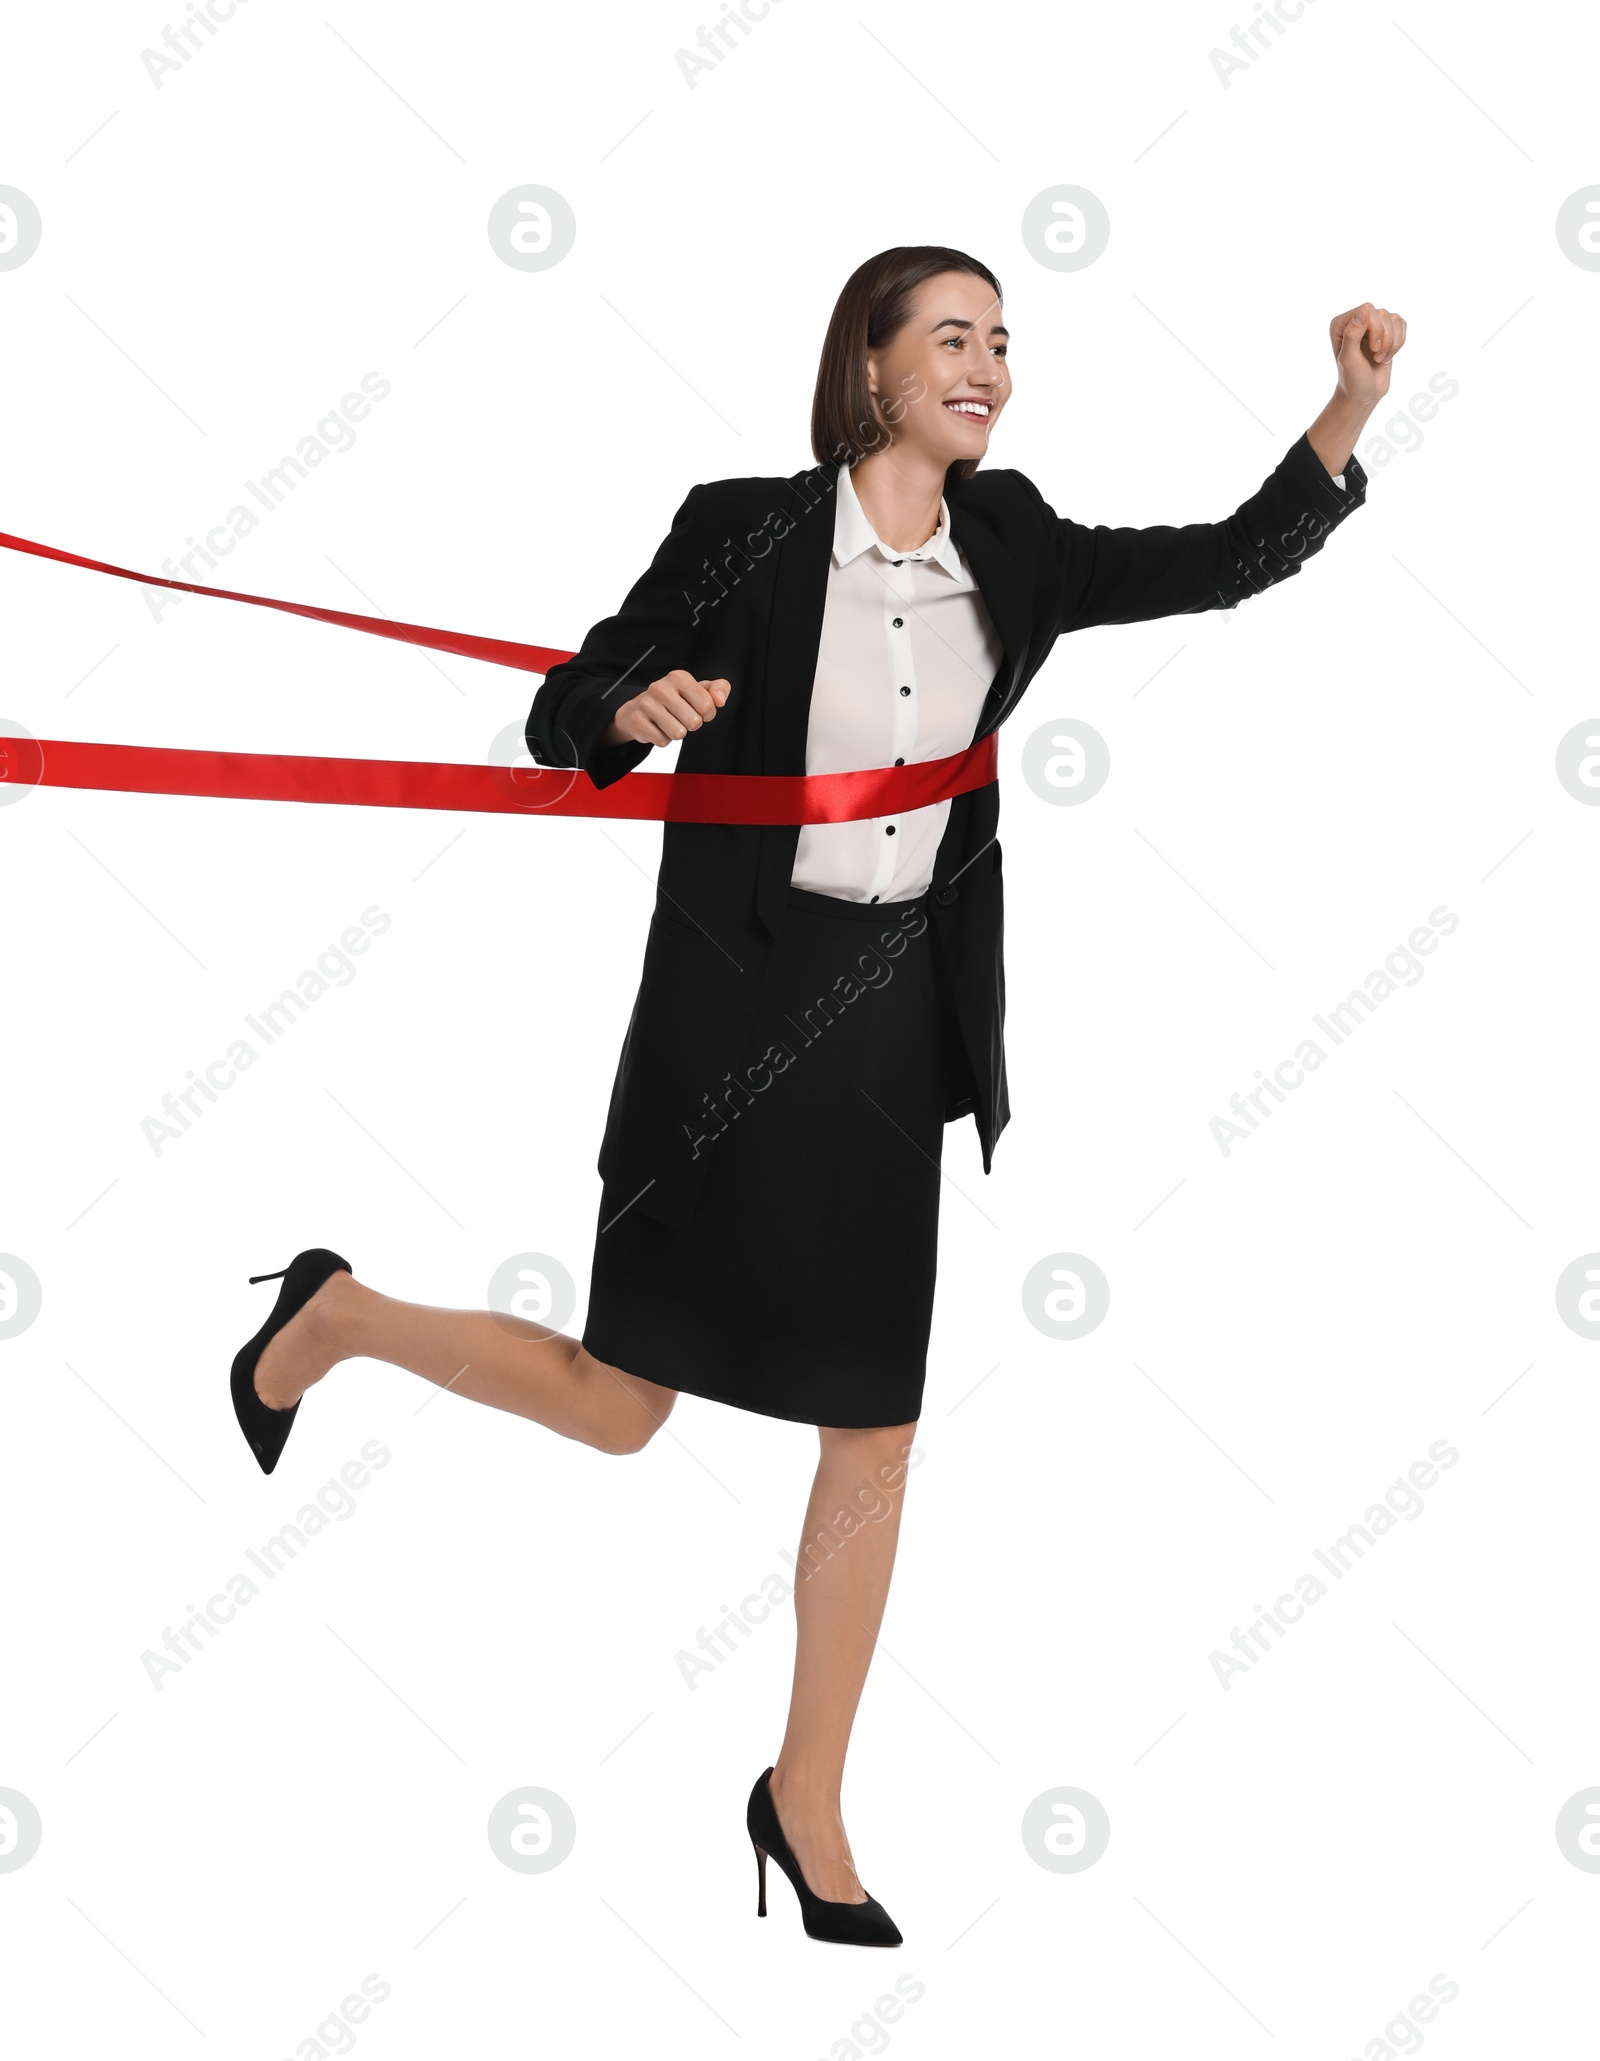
(1291, 1325)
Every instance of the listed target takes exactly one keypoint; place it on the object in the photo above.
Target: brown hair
(846, 421)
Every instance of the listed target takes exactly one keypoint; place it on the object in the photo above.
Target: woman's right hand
(667, 710)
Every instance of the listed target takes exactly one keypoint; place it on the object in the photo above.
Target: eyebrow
(995, 328)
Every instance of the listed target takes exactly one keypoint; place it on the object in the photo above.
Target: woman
(817, 1002)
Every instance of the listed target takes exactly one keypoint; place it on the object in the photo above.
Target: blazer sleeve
(651, 633)
(1105, 575)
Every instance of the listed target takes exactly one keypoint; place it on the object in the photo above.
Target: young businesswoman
(816, 1003)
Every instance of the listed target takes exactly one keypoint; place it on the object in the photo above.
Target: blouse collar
(853, 533)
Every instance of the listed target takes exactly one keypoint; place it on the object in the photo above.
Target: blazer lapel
(800, 590)
(1000, 583)
(794, 636)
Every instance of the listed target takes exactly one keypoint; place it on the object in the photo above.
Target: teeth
(968, 408)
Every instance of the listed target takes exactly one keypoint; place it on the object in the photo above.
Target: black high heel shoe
(266, 1429)
(867, 1924)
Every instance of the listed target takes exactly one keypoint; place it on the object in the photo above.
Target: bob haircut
(846, 422)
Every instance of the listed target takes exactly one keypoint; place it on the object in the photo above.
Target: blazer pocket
(675, 913)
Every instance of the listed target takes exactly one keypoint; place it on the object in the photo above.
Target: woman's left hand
(1365, 340)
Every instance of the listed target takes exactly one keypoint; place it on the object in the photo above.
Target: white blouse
(907, 656)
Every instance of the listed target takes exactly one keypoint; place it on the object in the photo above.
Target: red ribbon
(415, 784)
(504, 790)
(531, 658)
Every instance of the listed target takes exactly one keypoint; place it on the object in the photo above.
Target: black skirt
(802, 1284)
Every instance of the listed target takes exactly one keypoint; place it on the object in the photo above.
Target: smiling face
(942, 381)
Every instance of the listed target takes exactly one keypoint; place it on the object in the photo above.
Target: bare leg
(500, 1360)
(846, 1559)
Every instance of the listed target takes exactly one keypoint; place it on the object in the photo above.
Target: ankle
(809, 1791)
(334, 1314)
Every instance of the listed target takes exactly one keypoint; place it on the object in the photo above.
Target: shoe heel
(847, 1924)
(266, 1429)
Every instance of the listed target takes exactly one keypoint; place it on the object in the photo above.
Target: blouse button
(890, 831)
(899, 762)
(899, 622)
(905, 690)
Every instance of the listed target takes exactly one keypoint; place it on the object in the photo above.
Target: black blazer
(736, 592)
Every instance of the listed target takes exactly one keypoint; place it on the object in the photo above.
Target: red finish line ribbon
(746, 798)
(501, 790)
(529, 658)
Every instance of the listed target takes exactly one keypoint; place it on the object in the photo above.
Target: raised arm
(1107, 575)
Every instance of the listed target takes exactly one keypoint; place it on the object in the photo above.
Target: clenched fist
(667, 710)
(1365, 340)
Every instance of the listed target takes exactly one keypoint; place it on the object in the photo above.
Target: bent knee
(627, 1437)
(627, 1411)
